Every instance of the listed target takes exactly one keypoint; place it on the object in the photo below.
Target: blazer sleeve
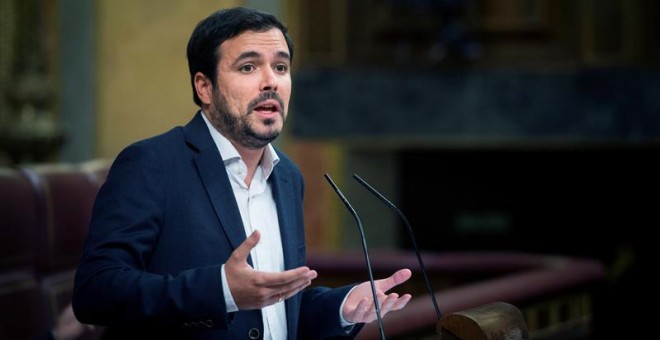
(113, 284)
(319, 314)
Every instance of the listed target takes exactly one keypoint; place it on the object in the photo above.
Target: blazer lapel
(214, 176)
(212, 171)
(284, 199)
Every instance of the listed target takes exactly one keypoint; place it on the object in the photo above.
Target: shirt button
(254, 333)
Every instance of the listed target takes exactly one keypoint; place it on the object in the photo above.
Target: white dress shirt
(258, 212)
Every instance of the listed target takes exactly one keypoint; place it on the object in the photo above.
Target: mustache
(265, 96)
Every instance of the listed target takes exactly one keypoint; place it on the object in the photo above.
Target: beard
(238, 128)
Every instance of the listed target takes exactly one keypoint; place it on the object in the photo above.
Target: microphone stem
(371, 276)
(366, 253)
(424, 272)
(412, 238)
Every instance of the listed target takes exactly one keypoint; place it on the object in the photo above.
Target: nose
(268, 80)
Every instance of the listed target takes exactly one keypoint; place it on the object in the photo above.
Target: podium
(493, 321)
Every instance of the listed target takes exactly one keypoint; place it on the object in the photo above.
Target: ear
(204, 88)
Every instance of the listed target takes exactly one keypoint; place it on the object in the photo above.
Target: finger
(383, 302)
(394, 304)
(360, 312)
(277, 298)
(388, 303)
(395, 279)
(401, 302)
(243, 251)
(287, 292)
(289, 279)
(296, 290)
(372, 312)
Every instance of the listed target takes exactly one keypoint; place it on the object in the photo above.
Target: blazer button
(254, 334)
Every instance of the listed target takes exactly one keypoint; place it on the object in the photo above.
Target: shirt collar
(229, 153)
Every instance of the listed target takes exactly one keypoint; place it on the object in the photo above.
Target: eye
(247, 68)
(281, 68)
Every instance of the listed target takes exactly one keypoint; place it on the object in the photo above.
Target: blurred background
(514, 125)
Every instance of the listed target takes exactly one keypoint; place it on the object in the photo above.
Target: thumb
(243, 251)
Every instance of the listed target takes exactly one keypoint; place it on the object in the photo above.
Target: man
(198, 233)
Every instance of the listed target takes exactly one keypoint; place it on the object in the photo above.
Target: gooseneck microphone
(364, 249)
(412, 237)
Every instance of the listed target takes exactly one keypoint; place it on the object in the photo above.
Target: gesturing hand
(254, 289)
(359, 306)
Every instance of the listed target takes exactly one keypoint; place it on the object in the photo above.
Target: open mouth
(268, 107)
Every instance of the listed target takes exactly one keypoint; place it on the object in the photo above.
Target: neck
(251, 158)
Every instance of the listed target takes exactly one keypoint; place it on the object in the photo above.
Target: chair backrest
(19, 220)
(66, 195)
(45, 210)
(23, 312)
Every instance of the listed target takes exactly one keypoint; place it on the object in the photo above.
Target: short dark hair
(203, 47)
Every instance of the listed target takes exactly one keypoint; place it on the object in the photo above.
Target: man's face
(249, 104)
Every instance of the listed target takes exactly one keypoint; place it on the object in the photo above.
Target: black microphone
(412, 237)
(366, 253)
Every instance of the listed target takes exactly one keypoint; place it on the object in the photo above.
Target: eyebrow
(254, 54)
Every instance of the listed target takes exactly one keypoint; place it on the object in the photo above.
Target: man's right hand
(252, 289)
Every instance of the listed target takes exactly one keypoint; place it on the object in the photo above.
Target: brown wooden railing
(553, 293)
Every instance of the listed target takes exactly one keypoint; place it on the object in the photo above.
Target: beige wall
(143, 82)
(143, 90)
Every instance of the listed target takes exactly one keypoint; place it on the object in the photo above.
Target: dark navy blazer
(163, 223)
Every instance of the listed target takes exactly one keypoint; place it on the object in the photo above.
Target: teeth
(267, 107)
